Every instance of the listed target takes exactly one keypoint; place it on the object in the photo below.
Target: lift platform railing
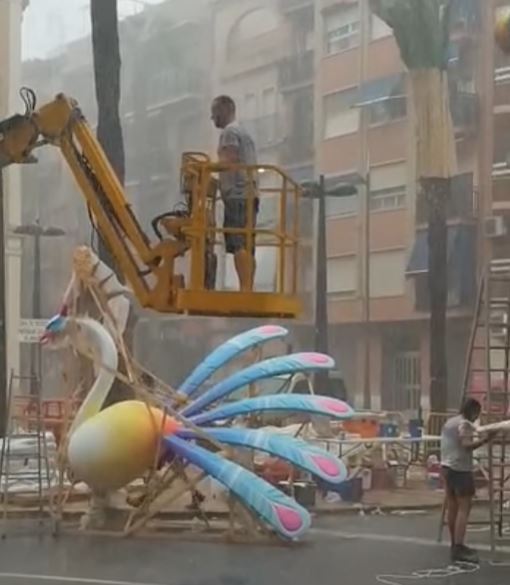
(260, 182)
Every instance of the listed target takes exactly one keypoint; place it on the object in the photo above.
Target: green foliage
(421, 28)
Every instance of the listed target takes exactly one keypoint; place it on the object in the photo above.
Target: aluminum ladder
(486, 378)
(25, 442)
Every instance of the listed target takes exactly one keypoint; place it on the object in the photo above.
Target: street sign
(30, 330)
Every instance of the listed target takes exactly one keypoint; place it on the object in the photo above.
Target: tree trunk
(436, 163)
(107, 67)
(437, 192)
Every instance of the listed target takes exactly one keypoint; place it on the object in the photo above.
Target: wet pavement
(390, 550)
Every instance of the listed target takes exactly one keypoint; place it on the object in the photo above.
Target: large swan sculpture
(110, 448)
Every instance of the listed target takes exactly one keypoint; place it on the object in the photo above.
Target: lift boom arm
(62, 124)
(149, 267)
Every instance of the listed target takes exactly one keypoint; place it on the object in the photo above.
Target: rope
(445, 573)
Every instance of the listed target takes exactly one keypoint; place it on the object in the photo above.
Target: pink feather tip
(327, 466)
(289, 518)
(271, 329)
(316, 358)
(336, 406)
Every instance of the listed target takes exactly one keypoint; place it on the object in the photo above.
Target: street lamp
(314, 190)
(36, 231)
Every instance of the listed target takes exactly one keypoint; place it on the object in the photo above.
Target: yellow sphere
(502, 30)
(118, 445)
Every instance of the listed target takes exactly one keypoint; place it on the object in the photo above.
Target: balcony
(460, 206)
(464, 108)
(289, 6)
(173, 88)
(267, 131)
(299, 145)
(461, 258)
(296, 72)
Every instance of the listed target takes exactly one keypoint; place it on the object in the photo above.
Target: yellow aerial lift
(149, 267)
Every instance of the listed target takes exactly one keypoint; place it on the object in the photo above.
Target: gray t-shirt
(233, 184)
(453, 454)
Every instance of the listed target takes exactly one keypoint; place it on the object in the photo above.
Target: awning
(381, 90)
(419, 260)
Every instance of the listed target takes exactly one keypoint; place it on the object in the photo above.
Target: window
(268, 101)
(342, 275)
(388, 187)
(340, 117)
(407, 382)
(385, 111)
(254, 24)
(342, 29)
(157, 146)
(337, 206)
(387, 273)
(130, 148)
(268, 113)
(379, 29)
(250, 106)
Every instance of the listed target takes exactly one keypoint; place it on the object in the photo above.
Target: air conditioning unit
(495, 227)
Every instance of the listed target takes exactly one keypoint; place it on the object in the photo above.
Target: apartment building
(320, 85)
(365, 123)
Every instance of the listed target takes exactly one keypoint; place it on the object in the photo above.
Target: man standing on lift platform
(236, 146)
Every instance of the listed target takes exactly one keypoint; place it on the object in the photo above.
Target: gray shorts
(236, 216)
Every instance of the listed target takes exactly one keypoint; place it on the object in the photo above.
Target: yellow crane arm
(62, 124)
(149, 267)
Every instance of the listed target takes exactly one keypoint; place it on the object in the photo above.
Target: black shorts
(236, 216)
(459, 484)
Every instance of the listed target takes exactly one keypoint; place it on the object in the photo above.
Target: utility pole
(365, 15)
(3, 333)
(321, 289)
(36, 231)
(319, 192)
(35, 348)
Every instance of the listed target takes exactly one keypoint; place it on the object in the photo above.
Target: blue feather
(301, 454)
(320, 405)
(276, 509)
(227, 352)
(288, 364)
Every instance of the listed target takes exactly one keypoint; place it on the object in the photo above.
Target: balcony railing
(172, 87)
(267, 131)
(296, 71)
(464, 108)
(298, 147)
(293, 5)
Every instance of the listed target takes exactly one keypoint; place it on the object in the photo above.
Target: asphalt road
(389, 550)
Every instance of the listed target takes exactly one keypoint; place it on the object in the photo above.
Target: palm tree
(107, 68)
(421, 29)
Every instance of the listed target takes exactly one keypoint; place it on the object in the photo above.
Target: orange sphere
(502, 30)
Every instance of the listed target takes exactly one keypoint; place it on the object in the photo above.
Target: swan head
(56, 330)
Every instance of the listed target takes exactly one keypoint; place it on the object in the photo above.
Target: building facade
(321, 87)
(11, 13)
(377, 240)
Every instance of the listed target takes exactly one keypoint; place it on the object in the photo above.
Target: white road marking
(58, 579)
(393, 538)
